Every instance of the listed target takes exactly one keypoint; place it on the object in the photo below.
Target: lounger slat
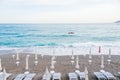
(30, 76)
(20, 77)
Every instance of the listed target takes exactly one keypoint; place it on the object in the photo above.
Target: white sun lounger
(82, 75)
(108, 75)
(56, 76)
(20, 77)
(100, 76)
(46, 76)
(1, 75)
(7, 75)
(73, 76)
(30, 76)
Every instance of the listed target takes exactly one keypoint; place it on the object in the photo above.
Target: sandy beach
(62, 65)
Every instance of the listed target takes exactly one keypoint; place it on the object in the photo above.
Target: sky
(59, 11)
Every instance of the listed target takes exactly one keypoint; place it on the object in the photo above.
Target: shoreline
(62, 51)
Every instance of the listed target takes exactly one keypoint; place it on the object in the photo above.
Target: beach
(63, 64)
(48, 40)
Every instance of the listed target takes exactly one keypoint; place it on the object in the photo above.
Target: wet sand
(62, 65)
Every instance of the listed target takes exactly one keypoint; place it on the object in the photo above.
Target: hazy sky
(59, 11)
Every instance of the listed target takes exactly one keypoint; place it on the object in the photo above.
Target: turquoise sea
(28, 35)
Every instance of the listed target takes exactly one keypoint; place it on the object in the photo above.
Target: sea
(57, 35)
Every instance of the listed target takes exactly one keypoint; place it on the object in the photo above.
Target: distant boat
(71, 33)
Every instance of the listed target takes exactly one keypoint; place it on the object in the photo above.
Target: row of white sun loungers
(19, 76)
(76, 75)
(71, 75)
(25, 76)
(52, 76)
(103, 75)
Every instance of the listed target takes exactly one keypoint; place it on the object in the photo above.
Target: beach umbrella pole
(4, 74)
(102, 62)
(27, 64)
(17, 58)
(90, 57)
(0, 65)
(109, 57)
(36, 59)
(77, 63)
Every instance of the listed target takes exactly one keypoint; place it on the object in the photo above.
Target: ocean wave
(47, 35)
(53, 44)
(8, 33)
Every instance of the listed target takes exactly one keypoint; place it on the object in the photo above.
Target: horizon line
(64, 23)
